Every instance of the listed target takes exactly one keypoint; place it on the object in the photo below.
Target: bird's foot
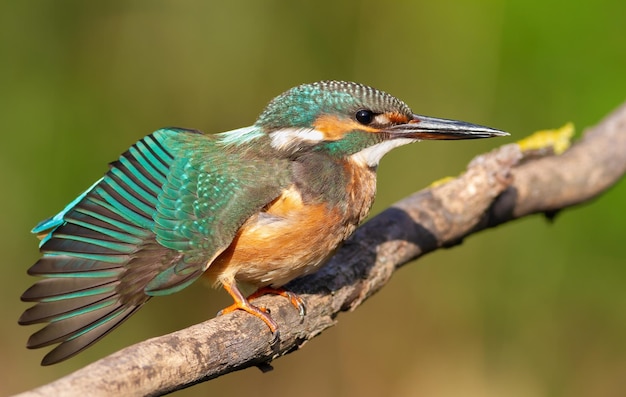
(295, 300)
(246, 306)
(242, 303)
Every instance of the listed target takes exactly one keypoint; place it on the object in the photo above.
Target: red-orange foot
(295, 300)
(242, 303)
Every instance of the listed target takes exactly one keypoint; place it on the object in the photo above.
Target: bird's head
(347, 119)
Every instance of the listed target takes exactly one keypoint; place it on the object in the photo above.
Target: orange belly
(285, 241)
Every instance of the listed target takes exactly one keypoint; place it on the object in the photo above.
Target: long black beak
(431, 128)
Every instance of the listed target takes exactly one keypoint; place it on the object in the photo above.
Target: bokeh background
(531, 308)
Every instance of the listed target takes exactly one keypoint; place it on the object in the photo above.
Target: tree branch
(497, 187)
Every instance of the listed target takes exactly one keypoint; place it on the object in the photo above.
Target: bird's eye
(364, 116)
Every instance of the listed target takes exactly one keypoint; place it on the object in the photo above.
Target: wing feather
(96, 249)
(151, 226)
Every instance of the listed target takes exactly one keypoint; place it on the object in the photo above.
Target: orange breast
(290, 238)
(284, 241)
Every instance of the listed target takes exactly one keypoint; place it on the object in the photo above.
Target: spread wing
(149, 227)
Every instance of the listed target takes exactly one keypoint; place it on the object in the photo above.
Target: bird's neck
(344, 184)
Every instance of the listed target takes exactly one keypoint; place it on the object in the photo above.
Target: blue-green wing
(208, 195)
(146, 228)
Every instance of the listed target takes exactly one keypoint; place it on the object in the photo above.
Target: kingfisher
(259, 205)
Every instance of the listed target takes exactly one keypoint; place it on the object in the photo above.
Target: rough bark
(497, 187)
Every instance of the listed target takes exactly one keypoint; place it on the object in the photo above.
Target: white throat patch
(371, 156)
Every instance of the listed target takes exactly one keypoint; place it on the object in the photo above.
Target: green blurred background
(528, 309)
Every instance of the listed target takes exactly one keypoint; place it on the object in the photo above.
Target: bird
(259, 205)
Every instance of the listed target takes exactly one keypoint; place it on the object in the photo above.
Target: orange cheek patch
(335, 128)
